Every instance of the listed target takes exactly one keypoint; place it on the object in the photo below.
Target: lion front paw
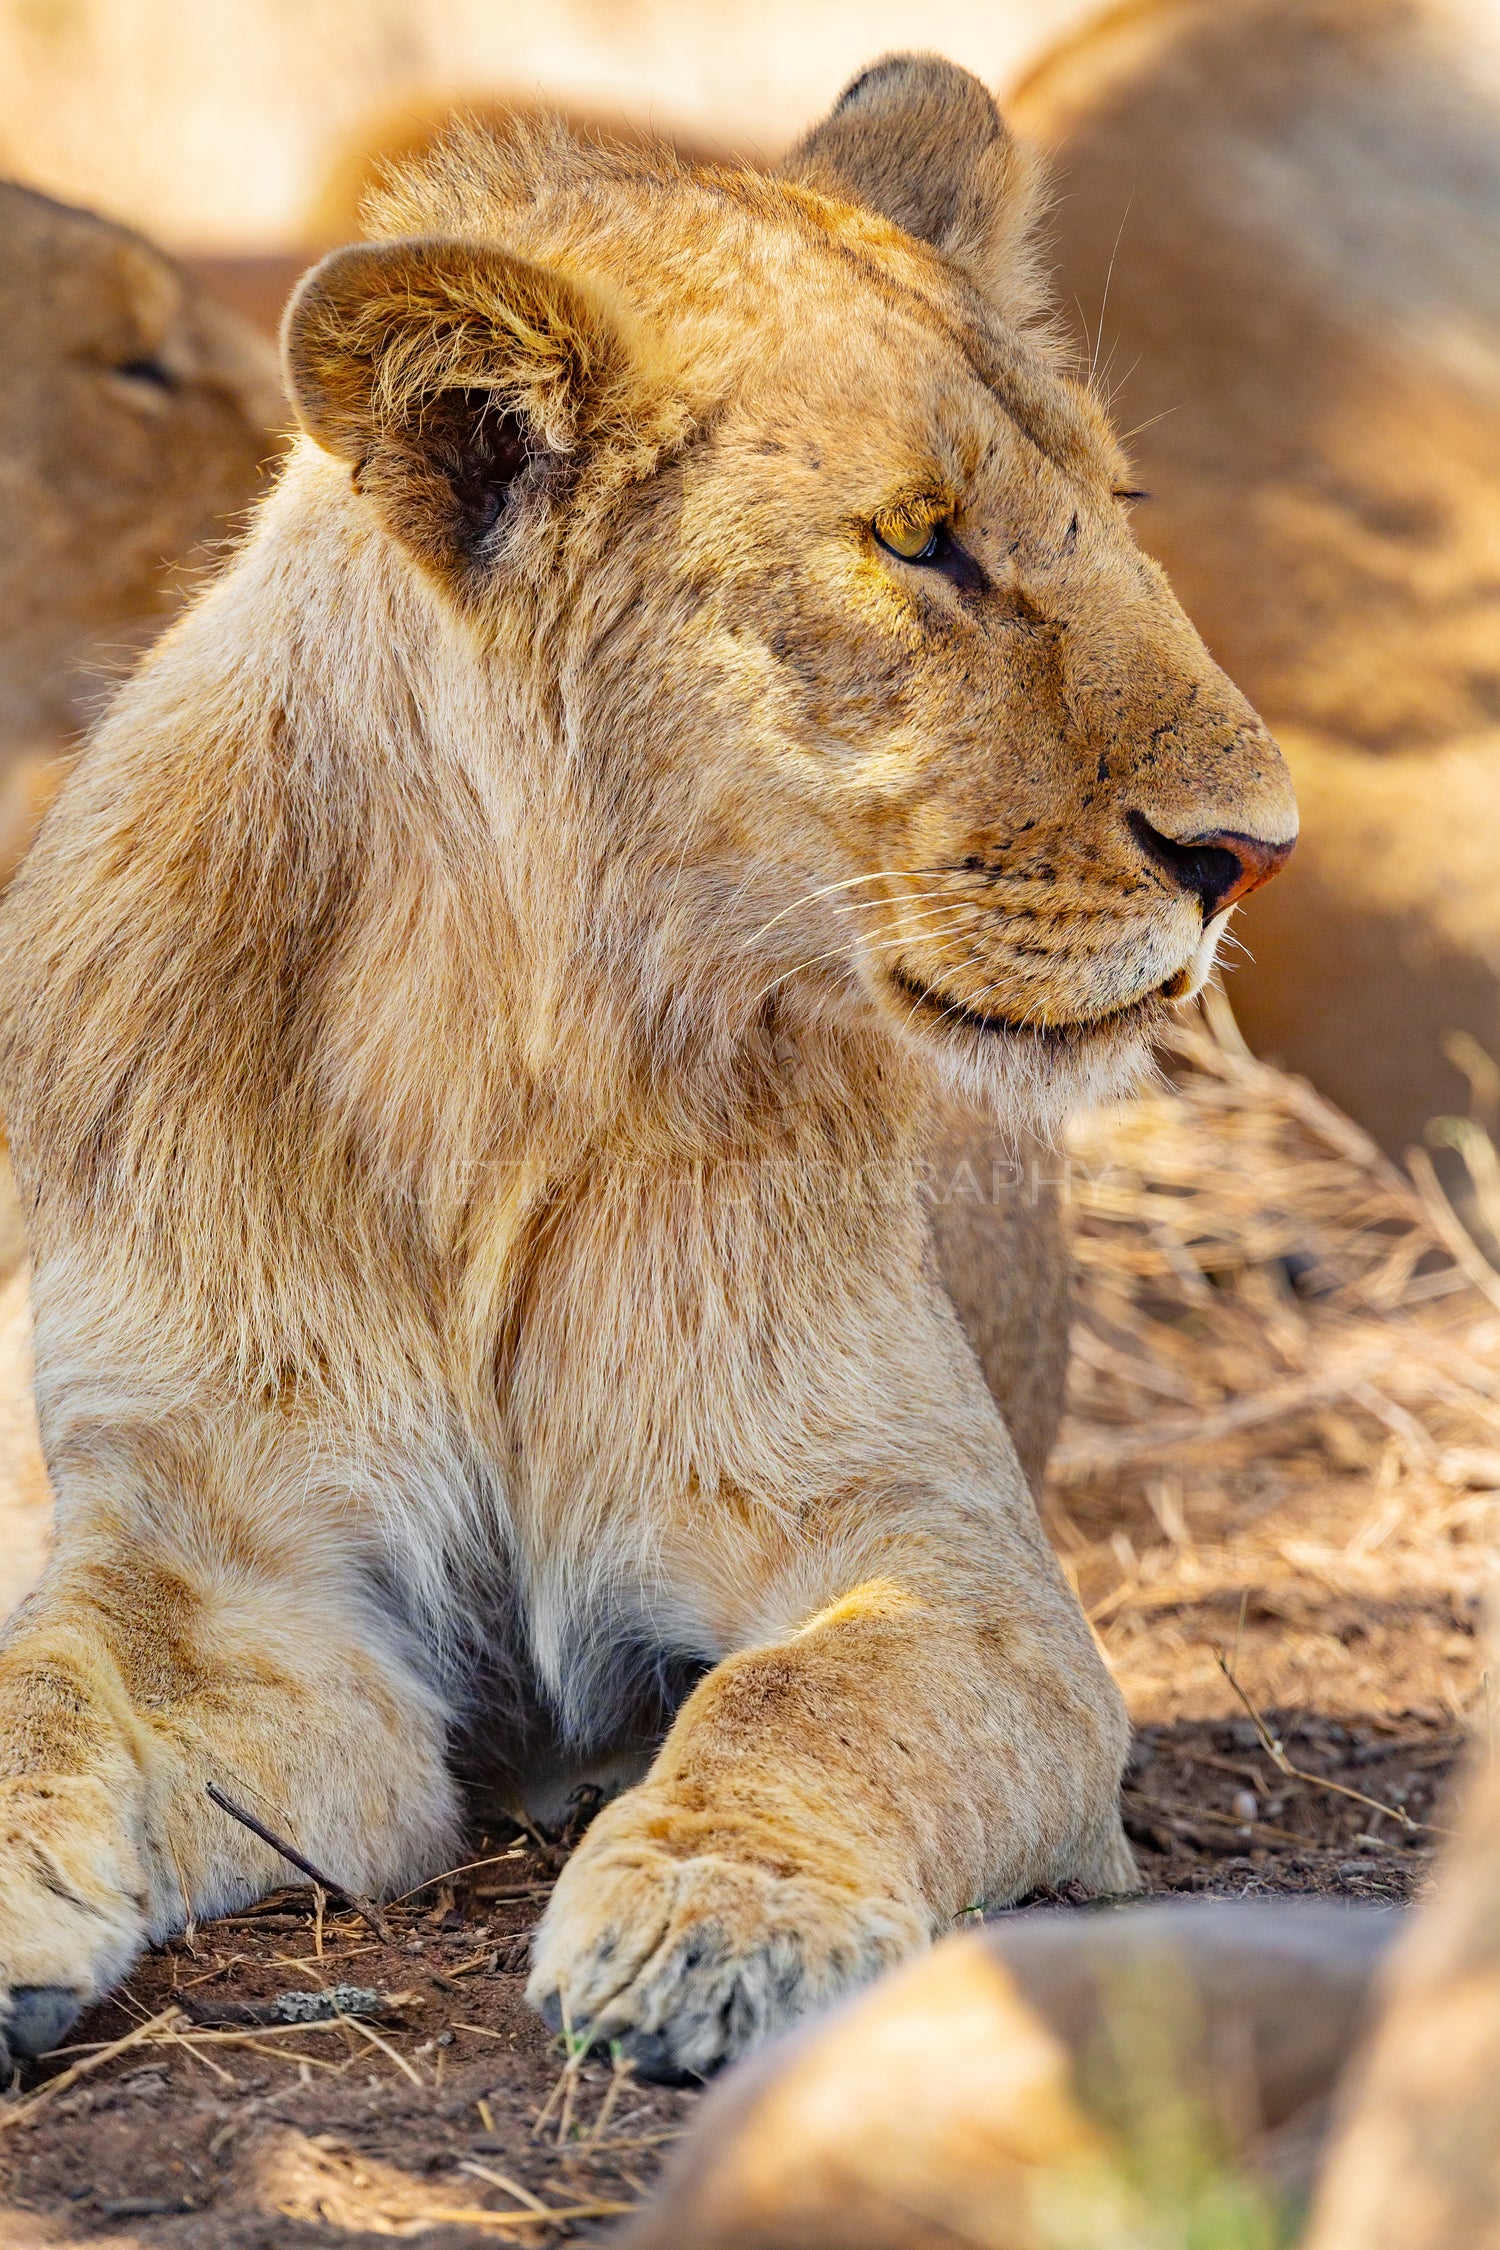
(72, 1909)
(688, 1958)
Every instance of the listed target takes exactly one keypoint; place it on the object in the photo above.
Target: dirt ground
(443, 2113)
(1275, 1493)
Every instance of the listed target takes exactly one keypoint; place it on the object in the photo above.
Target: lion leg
(1000, 1235)
(833, 1796)
(141, 1670)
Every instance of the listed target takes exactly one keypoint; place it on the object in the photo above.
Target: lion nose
(1219, 868)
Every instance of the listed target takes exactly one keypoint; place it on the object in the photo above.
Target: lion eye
(913, 542)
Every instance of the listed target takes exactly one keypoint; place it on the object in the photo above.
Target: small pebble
(322, 2007)
(1246, 1805)
(151, 2080)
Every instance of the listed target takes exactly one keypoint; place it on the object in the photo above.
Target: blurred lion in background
(1283, 219)
(137, 416)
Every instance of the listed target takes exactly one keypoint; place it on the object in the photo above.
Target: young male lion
(469, 1024)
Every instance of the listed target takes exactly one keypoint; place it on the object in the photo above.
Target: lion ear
(457, 381)
(922, 142)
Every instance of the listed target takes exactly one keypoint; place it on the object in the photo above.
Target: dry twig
(505, 2222)
(1275, 1750)
(622, 2072)
(363, 1907)
(368, 2031)
(522, 2195)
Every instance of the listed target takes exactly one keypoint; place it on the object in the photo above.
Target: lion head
(694, 668)
(784, 490)
(138, 415)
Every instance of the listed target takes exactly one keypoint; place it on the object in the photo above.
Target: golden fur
(136, 416)
(1283, 218)
(114, 484)
(469, 1025)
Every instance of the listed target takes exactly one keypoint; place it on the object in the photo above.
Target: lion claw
(653, 2057)
(36, 2019)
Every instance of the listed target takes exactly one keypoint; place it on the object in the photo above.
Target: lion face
(139, 414)
(825, 564)
(1023, 797)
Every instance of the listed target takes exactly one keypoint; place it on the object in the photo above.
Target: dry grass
(328, 2187)
(1284, 1427)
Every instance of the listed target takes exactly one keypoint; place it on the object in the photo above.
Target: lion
(1415, 2164)
(1024, 2070)
(137, 417)
(1281, 222)
(469, 1027)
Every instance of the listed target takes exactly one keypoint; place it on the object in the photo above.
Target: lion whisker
(876, 945)
(808, 898)
(914, 918)
(869, 905)
(912, 923)
(836, 952)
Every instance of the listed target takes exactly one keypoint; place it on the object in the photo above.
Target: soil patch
(446, 2109)
(442, 2113)
(1208, 1808)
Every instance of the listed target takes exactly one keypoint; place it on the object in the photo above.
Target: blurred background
(232, 125)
